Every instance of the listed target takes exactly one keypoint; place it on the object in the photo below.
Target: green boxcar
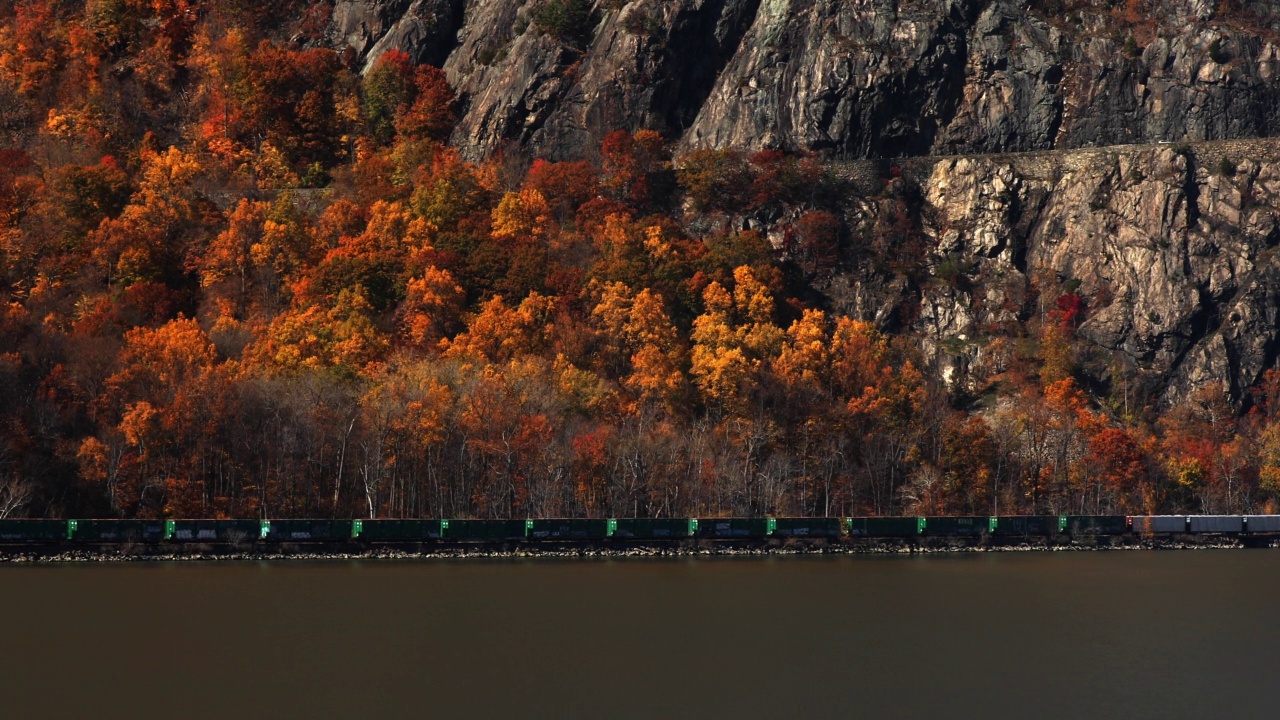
(1082, 525)
(308, 530)
(735, 528)
(808, 527)
(33, 530)
(884, 527)
(965, 526)
(572, 529)
(400, 530)
(487, 530)
(656, 528)
(230, 532)
(1026, 525)
(121, 531)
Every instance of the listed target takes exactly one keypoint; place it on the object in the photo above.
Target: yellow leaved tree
(731, 340)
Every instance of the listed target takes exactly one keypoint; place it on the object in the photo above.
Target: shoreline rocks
(24, 556)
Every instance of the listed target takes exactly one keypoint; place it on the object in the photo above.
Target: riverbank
(312, 552)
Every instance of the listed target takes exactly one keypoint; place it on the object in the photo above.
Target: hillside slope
(249, 269)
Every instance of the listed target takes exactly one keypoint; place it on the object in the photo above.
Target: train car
(963, 526)
(399, 530)
(750, 528)
(487, 530)
(1264, 524)
(308, 530)
(1216, 524)
(884, 527)
(33, 531)
(655, 528)
(222, 532)
(120, 531)
(1158, 524)
(1025, 526)
(1093, 525)
(572, 529)
(822, 527)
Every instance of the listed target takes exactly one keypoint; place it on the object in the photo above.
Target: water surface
(1114, 634)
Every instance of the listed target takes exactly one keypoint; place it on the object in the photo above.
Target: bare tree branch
(15, 493)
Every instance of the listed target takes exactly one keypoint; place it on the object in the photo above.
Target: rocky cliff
(1171, 247)
(850, 78)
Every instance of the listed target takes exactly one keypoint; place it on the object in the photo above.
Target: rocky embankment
(860, 78)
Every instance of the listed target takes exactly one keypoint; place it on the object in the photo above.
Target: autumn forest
(241, 279)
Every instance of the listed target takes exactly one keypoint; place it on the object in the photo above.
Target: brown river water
(1174, 634)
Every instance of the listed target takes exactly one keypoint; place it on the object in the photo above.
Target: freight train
(241, 533)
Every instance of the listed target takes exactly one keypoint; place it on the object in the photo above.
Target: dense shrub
(569, 21)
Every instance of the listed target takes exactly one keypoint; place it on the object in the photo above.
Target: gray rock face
(876, 78)
(851, 78)
(426, 29)
(649, 65)
(861, 78)
(1172, 251)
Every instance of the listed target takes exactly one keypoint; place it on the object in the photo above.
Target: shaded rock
(425, 29)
